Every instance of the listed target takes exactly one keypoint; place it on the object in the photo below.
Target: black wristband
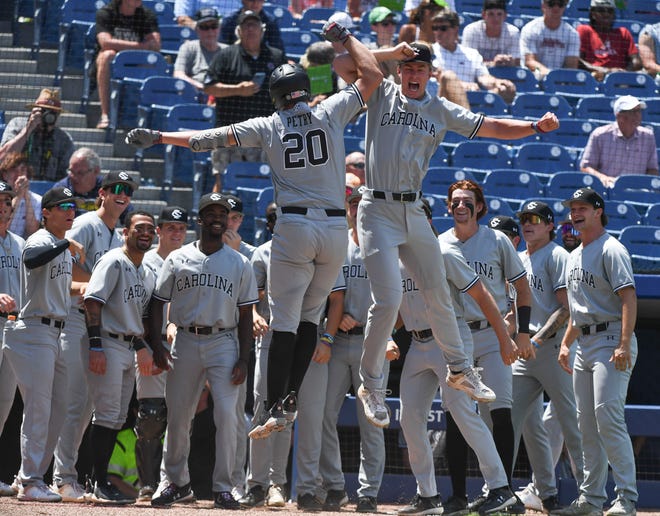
(524, 314)
(138, 343)
(94, 331)
(95, 343)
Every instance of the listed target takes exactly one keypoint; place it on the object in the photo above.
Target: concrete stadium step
(13, 91)
(9, 52)
(6, 38)
(153, 207)
(86, 137)
(151, 168)
(19, 67)
(135, 175)
(179, 196)
(66, 119)
(12, 78)
(147, 193)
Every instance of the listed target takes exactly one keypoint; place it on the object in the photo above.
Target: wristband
(94, 331)
(139, 344)
(160, 137)
(327, 339)
(537, 129)
(97, 349)
(524, 314)
(534, 343)
(95, 344)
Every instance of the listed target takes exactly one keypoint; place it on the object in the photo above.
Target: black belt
(594, 328)
(7, 314)
(303, 211)
(202, 330)
(398, 196)
(125, 338)
(47, 321)
(356, 330)
(81, 311)
(478, 325)
(533, 333)
(422, 334)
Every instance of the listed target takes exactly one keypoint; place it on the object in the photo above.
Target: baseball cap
(538, 208)
(173, 214)
(626, 103)
(235, 203)
(494, 4)
(379, 13)
(504, 224)
(214, 198)
(207, 14)
(423, 54)
(587, 195)
(602, 3)
(5, 188)
(57, 195)
(118, 176)
(354, 192)
(247, 15)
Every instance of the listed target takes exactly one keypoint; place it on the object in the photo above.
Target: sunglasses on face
(568, 229)
(66, 206)
(441, 28)
(210, 26)
(387, 23)
(531, 218)
(118, 188)
(555, 3)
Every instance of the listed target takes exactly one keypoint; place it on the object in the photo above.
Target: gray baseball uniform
(97, 239)
(401, 136)
(203, 291)
(595, 273)
(125, 291)
(34, 353)
(344, 371)
(424, 371)
(10, 284)
(546, 272)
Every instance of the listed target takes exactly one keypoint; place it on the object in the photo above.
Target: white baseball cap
(626, 103)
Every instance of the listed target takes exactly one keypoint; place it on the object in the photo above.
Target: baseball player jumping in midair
(32, 343)
(116, 300)
(306, 152)
(211, 290)
(603, 310)
(405, 126)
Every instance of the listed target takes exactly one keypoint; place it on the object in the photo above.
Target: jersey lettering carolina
(10, 265)
(357, 298)
(305, 148)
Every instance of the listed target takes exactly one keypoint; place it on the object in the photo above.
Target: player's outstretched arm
(197, 141)
(511, 129)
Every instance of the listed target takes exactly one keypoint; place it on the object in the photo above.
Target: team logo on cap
(124, 176)
(177, 214)
(3, 187)
(232, 203)
(216, 197)
(495, 222)
(578, 193)
(531, 206)
(67, 192)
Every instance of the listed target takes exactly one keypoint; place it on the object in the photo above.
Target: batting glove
(143, 138)
(333, 32)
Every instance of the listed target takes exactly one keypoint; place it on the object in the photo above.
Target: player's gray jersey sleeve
(460, 276)
(91, 232)
(259, 263)
(10, 265)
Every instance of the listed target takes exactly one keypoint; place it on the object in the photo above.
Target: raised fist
(143, 138)
(334, 32)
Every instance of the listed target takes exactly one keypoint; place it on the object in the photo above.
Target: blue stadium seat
(570, 82)
(533, 106)
(282, 15)
(652, 111)
(497, 206)
(353, 144)
(296, 42)
(41, 187)
(157, 95)
(595, 108)
(645, 11)
(164, 10)
(439, 157)
(438, 179)
(578, 9)
(77, 16)
(543, 157)
(512, 186)
(480, 155)
(572, 133)
(523, 78)
(488, 103)
(89, 50)
(634, 26)
(357, 127)
(638, 189)
(620, 215)
(248, 174)
(3, 124)
(563, 184)
(265, 197)
(172, 37)
(629, 83)
(471, 7)
(315, 17)
(442, 224)
(526, 8)
(47, 16)
(652, 215)
(643, 244)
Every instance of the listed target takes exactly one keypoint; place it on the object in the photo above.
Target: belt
(303, 211)
(125, 338)
(533, 333)
(422, 334)
(594, 328)
(478, 325)
(52, 322)
(202, 330)
(397, 196)
(7, 314)
(356, 330)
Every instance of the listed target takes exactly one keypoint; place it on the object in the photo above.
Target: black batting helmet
(289, 83)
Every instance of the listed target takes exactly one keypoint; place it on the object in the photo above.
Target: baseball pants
(35, 356)
(197, 359)
(238, 471)
(555, 435)
(344, 371)
(495, 373)
(7, 385)
(389, 231)
(600, 396)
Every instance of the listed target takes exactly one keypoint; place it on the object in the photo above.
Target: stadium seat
(89, 50)
(544, 157)
(629, 83)
(164, 10)
(357, 127)
(77, 16)
(570, 82)
(296, 42)
(497, 206)
(563, 184)
(438, 179)
(652, 111)
(578, 9)
(620, 215)
(46, 20)
(439, 157)
(3, 124)
(638, 189)
(480, 155)
(573, 133)
(652, 215)
(595, 108)
(282, 15)
(353, 144)
(534, 106)
(512, 186)
(264, 198)
(642, 10)
(442, 223)
(157, 95)
(41, 187)
(643, 244)
(172, 37)
(523, 78)
(487, 103)
(634, 26)
(248, 174)
(315, 17)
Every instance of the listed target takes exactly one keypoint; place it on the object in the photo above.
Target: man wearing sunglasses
(96, 231)
(84, 178)
(570, 236)
(604, 48)
(549, 42)
(383, 24)
(545, 262)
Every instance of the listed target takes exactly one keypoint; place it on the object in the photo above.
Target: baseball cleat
(469, 381)
(374, 405)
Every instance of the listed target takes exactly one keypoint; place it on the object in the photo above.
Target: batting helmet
(289, 83)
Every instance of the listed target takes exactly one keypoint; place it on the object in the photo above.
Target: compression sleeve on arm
(37, 256)
(209, 140)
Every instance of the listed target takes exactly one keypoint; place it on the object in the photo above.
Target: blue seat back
(248, 174)
(543, 157)
(563, 184)
(570, 81)
(641, 189)
(652, 215)
(595, 108)
(480, 155)
(438, 179)
(523, 78)
(571, 133)
(620, 215)
(172, 36)
(296, 42)
(164, 10)
(533, 106)
(511, 185)
(641, 240)
(629, 83)
(488, 103)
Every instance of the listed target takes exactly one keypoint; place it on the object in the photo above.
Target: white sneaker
(275, 497)
(37, 493)
(16, 485)
(529, 497)
(6, 490)
(375, 409)
(72, 492)
(469, 380)
(622, 507)
(237, 492)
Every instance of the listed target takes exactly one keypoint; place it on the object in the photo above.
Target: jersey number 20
(301, 150)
